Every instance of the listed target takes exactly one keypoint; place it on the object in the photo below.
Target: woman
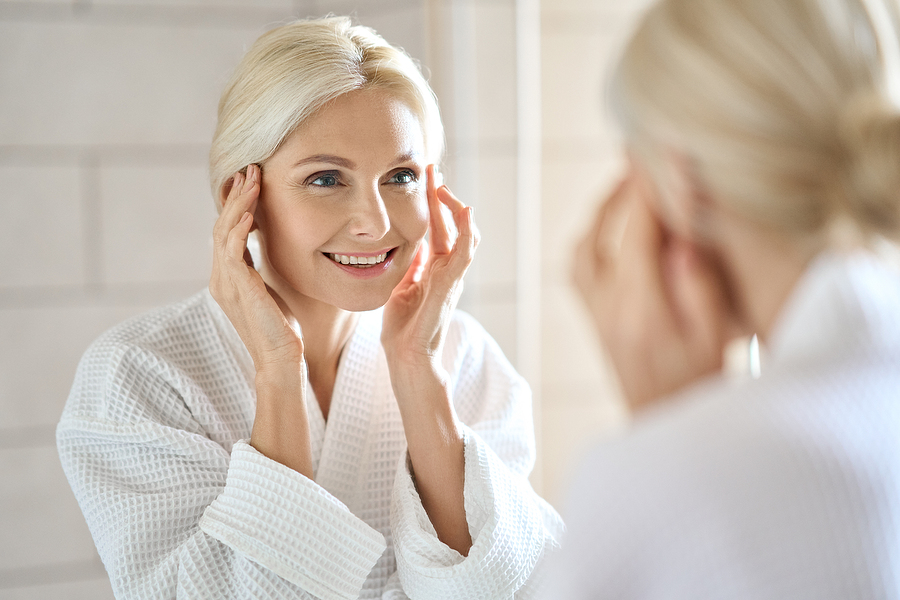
(275, 436)
(765, 164)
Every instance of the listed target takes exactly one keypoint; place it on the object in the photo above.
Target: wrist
(281, 375)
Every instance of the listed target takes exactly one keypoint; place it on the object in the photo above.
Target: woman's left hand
(414, 324)
(418, 312)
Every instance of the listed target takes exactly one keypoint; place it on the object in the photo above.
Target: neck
(764, 268)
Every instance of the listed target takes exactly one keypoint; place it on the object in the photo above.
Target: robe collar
(844, 304)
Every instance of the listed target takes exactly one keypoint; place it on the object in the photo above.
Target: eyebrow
(349, 164)
(327, 158)
(406, 157)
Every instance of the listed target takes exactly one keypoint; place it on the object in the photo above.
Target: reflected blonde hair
(783, 107)
(294, 70)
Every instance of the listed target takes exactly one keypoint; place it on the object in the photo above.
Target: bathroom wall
(580, 400)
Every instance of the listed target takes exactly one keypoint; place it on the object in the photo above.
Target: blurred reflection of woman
(218, 452)
(764, 143)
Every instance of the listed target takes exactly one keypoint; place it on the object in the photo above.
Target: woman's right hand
(268, 330)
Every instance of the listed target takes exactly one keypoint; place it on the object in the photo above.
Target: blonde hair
(782, 107)
(294, 70)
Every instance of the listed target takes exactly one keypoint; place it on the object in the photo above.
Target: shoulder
(470, 351)
(466, 335)
(147, 357)
(772, 469)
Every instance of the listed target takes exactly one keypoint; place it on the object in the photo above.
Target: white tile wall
(91, 83)
(157, 224)
(42, 214)
(41, 508)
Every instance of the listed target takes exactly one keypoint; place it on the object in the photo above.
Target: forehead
(364, 123)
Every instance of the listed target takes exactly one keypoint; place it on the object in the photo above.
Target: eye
(403, 177)
(324, 180)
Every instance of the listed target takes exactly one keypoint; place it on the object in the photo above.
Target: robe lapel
(316, 428)
(352, 417)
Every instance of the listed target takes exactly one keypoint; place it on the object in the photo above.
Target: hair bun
(870, 179)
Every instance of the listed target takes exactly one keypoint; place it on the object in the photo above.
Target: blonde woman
(320, 423)
(764, 141)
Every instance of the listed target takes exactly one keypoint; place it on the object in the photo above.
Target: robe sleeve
(176, 515)
(511, 527)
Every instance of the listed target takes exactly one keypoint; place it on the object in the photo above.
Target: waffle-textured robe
(153, 442)
(785, 487)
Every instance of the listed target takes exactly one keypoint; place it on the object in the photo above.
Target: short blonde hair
(294, 70)
(782, 106)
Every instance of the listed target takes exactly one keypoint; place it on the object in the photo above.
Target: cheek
(288, 234)
(412, 220)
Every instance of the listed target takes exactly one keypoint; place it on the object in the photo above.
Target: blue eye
(403, 177)
(325, 180)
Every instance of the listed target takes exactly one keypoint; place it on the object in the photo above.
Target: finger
(449, 200)
(466, 241)
(439, 232)
(456, 208)
(222, 227)
(241, 198)
(236, 243)
(414, 272)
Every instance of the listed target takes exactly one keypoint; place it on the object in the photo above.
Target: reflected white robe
(785, 487)
(153, 442)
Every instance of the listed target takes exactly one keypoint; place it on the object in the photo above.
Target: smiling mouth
(358, 261)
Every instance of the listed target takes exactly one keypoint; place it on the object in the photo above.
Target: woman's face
(342, 206)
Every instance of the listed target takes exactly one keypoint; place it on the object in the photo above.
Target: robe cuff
(287, 523)
(505, 524)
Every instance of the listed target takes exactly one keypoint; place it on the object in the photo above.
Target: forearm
(281, 427)
(436, 450)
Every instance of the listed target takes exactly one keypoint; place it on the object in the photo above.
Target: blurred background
(106, 112)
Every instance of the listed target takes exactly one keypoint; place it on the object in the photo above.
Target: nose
(369, 216)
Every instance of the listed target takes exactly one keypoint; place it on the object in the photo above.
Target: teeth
(346, 259)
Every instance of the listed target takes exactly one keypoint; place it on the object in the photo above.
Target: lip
(366, 272)
(366, 254)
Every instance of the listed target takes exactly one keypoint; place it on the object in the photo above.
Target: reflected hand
(659, 304)
(414, 325)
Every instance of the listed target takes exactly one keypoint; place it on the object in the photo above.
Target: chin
(363, 304)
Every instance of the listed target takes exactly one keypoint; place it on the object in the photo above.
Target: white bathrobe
(785, 487)
(153, 442)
